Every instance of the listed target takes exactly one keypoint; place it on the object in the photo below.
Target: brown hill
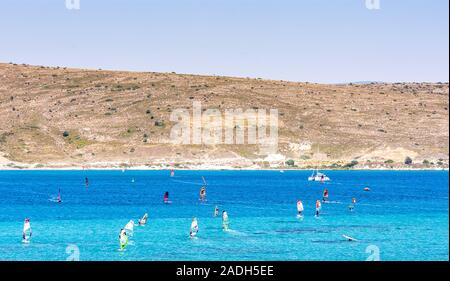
(122, 118)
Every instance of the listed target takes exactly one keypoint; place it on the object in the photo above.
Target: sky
(323, 41)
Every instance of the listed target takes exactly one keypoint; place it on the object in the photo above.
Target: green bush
(351, 164)
(290, 162)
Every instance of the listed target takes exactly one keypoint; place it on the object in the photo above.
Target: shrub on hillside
(408, 160)
(290, 162)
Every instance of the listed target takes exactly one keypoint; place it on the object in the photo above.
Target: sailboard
(349, 238)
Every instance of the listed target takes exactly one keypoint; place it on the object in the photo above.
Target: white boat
(318, 176)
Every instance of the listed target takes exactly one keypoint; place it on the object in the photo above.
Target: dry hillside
(122, 118)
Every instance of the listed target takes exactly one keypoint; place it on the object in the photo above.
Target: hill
(61, 117)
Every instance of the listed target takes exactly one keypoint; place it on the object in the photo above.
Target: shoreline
(138, 168)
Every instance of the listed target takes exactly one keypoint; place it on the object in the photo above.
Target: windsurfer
(318, 207)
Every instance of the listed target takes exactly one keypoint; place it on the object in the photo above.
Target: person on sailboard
(143, 220)
(325, 195)
(216, 211)
(225, 221)
(203, 193)
(352, 206)
(172, 172)
(318, 207)
(26, 230)
(123, 239)
(166, 197)
(58, 199)
(194, 227)
(86, 182)
(299, 207)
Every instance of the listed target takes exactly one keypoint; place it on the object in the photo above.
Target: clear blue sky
(327, 41)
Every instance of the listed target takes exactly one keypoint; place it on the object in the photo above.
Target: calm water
(404, 216)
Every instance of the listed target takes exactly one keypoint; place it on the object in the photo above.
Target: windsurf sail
(59, 199)
(349, 238)
(216, 211)
(318, 207)
(144, 219)
(325, 195)
(166, 197)
(194, 228)
(203, 193)
(129, 227)
(203, 190)
(300, 206)
(225, 220)
(123, 239)
(26, 234)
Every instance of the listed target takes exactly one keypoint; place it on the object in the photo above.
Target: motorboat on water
(318, 176)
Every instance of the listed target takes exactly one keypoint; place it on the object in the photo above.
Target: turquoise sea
(404, 216)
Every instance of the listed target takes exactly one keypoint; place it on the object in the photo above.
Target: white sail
(225, 216)
(129, 227)
(123, 239)
(143, 220)
(194, 228)
(299, 206)
(26, 226)
(225, 221)
(26, 230)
